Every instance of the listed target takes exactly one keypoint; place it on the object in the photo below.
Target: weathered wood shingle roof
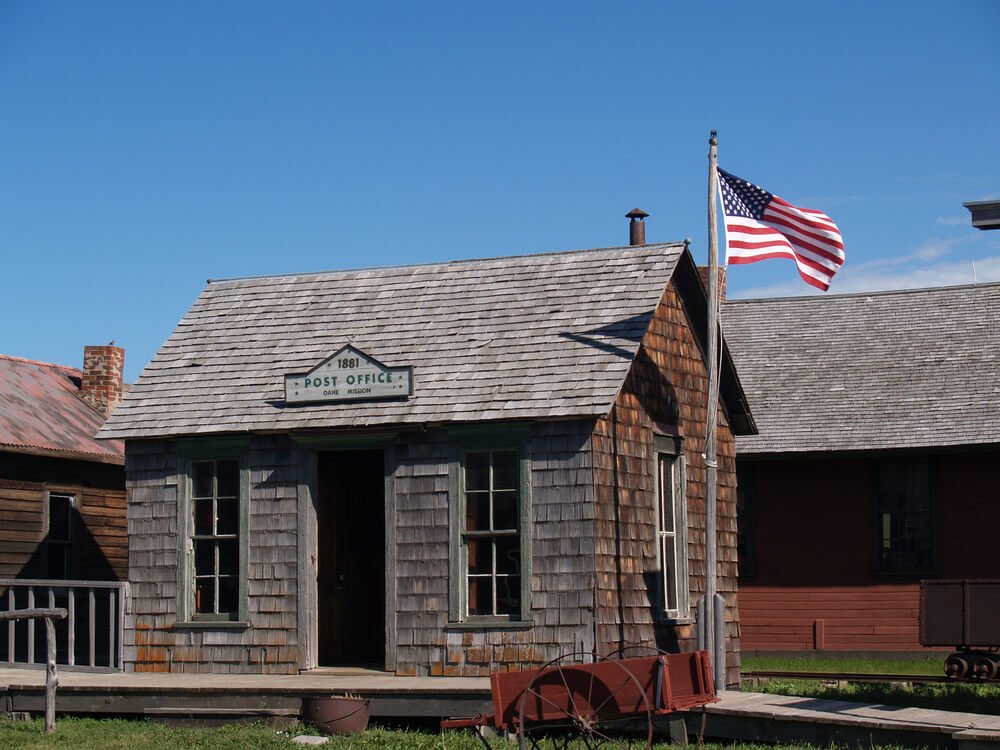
(526, 337)
(887, 370)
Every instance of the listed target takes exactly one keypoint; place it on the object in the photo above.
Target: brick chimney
(103, 383)
(703, 273)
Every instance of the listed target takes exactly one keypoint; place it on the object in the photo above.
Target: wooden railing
(91, 634)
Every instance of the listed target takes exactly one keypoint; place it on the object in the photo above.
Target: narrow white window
(672, 527)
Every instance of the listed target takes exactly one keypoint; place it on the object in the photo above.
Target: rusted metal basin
(333, 714)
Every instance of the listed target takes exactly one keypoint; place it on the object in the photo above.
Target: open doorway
(351, 560)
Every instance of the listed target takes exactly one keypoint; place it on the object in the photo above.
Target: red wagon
(577, 699)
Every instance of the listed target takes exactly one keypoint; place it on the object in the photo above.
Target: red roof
(41, 412)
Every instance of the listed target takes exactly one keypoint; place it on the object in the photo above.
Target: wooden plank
(856, 618)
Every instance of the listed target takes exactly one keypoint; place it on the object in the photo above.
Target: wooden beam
(34, 613)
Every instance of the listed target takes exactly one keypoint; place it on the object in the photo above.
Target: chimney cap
(636, 213)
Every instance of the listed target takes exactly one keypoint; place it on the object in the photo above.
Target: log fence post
(50, 615)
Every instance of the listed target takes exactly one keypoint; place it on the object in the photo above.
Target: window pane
(204, 558)
(204, 595)
(508, 554)
(666, 493)
(229, 478)
(216, 544)
(229, 594)
(670, 572)
(504, 511)
(477, 512)
(203, 517)
(480, 596)
(229, 517)
(60, 515)
(904, 529)
(480, 556)
(477, 471)
(492, 499)
(229, 557)
(505, 470)
(201, 479)
(509, 596)
(57, 561)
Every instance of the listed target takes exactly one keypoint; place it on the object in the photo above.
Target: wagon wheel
(636, 649)
(579, 701)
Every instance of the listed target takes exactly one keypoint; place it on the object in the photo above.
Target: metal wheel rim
(586, 729)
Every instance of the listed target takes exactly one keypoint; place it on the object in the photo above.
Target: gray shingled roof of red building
(42, 413)
(911, 369)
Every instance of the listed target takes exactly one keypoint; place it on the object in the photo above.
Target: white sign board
(349, 375)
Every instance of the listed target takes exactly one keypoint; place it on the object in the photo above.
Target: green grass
(932, 665)
(118, 734)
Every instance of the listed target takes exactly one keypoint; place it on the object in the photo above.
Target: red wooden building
(879, 431)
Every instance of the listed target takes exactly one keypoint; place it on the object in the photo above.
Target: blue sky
(147, 147)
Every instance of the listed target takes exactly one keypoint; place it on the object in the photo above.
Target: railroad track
(859, 677)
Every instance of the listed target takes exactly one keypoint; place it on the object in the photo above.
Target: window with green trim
(490, 491)
(213, 518)
(491, 533)
(215, 505)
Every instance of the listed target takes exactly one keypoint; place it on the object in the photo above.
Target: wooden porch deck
(738, 716)
(159, 694)
(758, 717)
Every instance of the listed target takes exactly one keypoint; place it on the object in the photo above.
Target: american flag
(760, 225)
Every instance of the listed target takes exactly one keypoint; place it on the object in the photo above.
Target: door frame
(307, 606)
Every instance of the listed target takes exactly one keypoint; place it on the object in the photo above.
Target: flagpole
(716, 646)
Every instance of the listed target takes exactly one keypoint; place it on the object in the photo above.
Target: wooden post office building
(437, 470)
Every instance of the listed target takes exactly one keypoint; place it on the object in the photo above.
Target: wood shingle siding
(666, 388)
(272, 579)
(562, 554)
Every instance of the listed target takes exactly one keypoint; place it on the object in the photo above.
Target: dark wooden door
(351, 510)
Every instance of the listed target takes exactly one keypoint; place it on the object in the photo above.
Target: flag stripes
(760, 225)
